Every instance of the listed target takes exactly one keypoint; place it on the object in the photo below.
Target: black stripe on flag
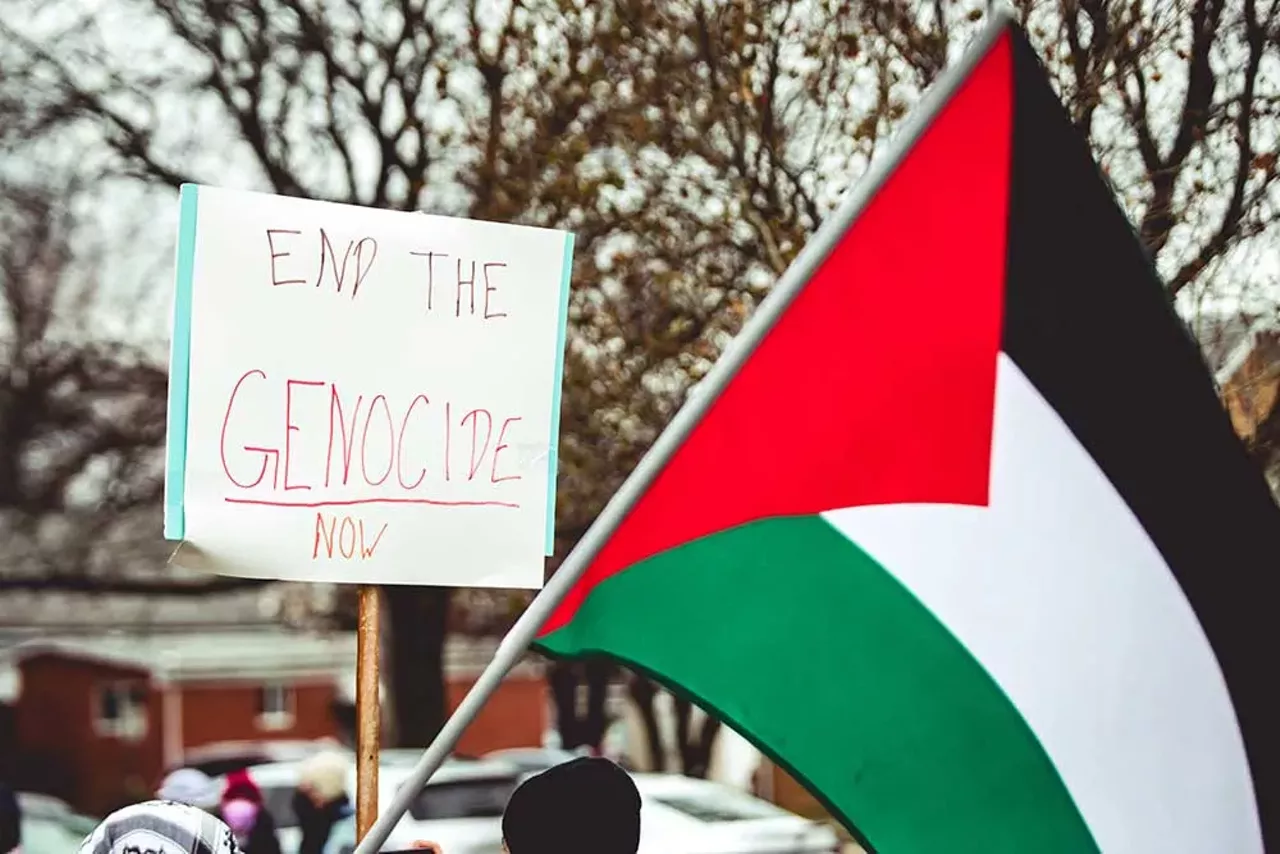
(1089, 322)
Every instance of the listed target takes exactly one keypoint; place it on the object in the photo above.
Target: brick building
(99, 719)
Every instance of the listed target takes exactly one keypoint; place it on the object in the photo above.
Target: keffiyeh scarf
(160, 827)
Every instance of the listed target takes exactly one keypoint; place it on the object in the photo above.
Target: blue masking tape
(175, 470)
(553, 457)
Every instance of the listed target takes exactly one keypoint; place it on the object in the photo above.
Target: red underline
(430, 502)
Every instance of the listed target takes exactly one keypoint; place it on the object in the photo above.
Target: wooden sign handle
(368, 709)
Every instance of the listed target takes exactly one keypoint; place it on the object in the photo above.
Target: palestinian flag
(959, 533)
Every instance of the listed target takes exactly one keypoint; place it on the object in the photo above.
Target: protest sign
(362, 395)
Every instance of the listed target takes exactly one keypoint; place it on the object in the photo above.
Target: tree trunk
(692, 744)
(579, 690)
(414, 670)
(695, 746)
(644, 692)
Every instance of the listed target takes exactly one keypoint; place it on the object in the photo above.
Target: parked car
(49, 826)
(224, 757)
(460, 807)
(531, 760)
(682, 815)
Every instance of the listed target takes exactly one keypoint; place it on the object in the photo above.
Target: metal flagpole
(525, 630)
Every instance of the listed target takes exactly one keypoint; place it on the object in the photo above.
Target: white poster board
(361, 395)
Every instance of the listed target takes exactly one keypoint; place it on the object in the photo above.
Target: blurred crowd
(321, 803)
(585, 806)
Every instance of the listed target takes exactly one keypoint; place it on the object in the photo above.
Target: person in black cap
(585, 806)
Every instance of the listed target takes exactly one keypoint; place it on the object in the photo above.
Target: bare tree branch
(692, 146)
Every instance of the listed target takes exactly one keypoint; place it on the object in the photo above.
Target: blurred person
(585, 806)
(160, 827)
(321, 802)
(241, 816)
(190, 786)
(342, 838)
(10, 820)
(242, 802)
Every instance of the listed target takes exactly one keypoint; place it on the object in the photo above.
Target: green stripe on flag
(799, 640)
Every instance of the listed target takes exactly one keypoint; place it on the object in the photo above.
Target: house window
(121, 710)
(276, 703)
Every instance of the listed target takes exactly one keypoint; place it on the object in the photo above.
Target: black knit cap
(585, 806)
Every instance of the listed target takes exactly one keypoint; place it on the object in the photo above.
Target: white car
(460, 807)
(49, 826)
(531, 760)
(682, 815)
(225, 756)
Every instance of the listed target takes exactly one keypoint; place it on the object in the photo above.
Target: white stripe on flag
(1058, 591)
